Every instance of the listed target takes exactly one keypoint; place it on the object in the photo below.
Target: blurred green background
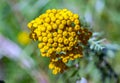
(20, 60)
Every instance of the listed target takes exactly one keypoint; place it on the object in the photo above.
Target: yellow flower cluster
(60, 37)
(23, 38)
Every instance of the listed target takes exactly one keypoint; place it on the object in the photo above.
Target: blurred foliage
(101, 15)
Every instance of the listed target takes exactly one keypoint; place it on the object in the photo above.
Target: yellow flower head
(23, 38)
(60, 35)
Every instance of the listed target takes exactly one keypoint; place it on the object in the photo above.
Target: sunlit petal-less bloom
(23, 38)
(60, 37)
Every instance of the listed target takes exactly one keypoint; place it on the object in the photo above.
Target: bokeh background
(20, 60)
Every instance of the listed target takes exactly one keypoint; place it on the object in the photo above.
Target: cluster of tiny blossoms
(60, 37)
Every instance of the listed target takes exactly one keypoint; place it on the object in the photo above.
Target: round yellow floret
(40, 45)
(54, 26)
(40, 38)
(50, 51)
(51, 66)
(61, 26)
(45, 39)
(49, 27)
(55, 39)
(23, 38)
(54, 44)
(42, 28)
(49, 35)
(54, 34)
(57, 22)
(64, 60)
(65, 33)
(47, 20)
(60, 40)
(66, 41)
(50, 40)
(44, 34)
(58, 49)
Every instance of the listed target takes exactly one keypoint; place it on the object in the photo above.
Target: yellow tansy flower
(60, 36)
(23, 37)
